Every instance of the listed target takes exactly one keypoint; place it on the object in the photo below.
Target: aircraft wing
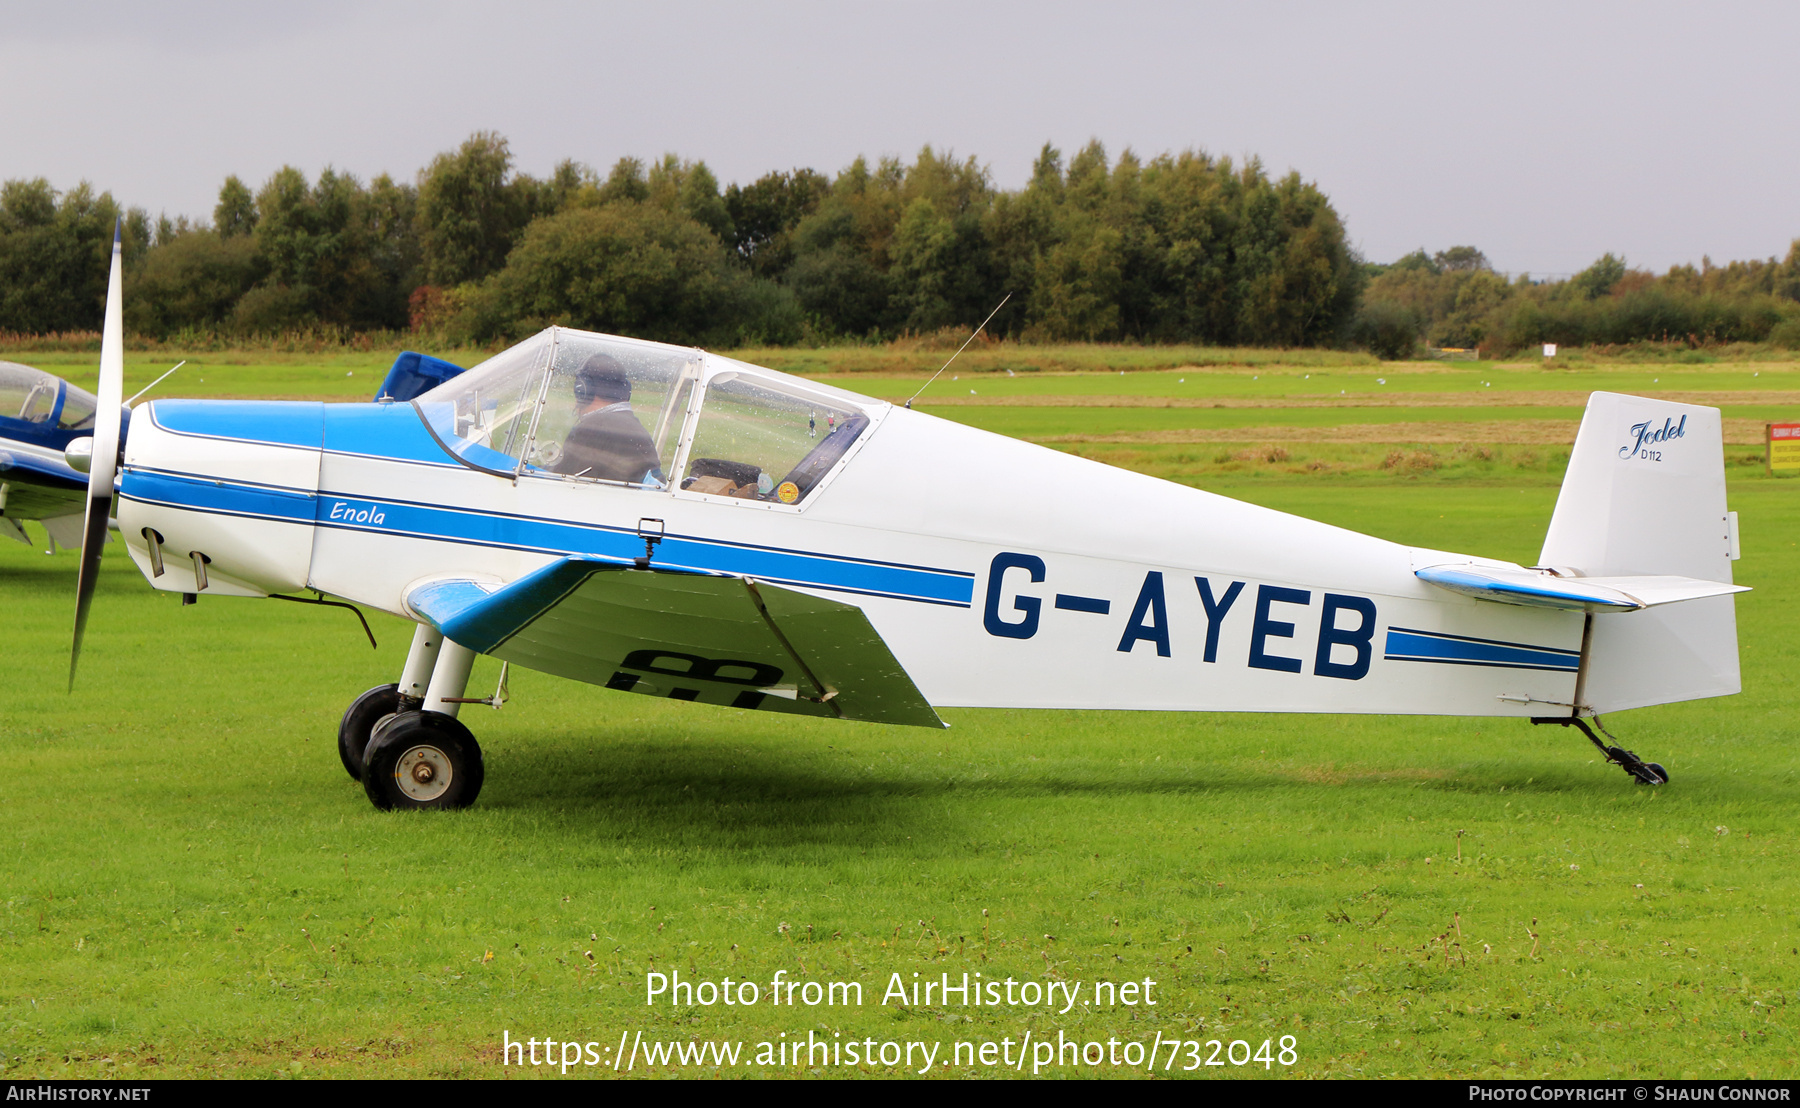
(32, 470)
(42, 489)
(1537, 589)
(719, 639)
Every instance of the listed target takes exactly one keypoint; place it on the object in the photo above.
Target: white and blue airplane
(664, 521)
(40, 418)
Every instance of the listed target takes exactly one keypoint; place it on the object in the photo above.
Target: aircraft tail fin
(1645, 496)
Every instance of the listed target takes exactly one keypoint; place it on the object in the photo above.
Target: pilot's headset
(601, 377)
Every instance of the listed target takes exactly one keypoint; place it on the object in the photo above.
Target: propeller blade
(107, 417)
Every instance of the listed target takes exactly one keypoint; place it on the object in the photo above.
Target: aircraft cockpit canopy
(767, 438)
(580, 406)
(30, 395)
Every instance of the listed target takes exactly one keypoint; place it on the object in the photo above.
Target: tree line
(1454, 298)
(1177, 248)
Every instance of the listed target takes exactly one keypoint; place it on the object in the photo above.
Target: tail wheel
(360, 721)
(422, 760)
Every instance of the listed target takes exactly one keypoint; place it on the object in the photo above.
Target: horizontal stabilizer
(1540, 589)
(718, 639)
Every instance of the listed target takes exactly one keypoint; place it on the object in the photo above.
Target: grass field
(192, 886)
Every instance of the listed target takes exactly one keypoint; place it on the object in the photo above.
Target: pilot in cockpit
(607, 442)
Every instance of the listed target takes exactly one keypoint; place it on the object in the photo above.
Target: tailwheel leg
(1644, 773)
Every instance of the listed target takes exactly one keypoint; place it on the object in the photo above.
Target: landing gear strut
(1644, 773)
(403, 741)
(372, 708)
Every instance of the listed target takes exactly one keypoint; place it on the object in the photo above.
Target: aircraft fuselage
(1000, 573)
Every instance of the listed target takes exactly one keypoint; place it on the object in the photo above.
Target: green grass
(1036, 422)
(1152, 374)
(1235, 467)
(1225, 466)
(242, 374)
(190, 885)
(909, 357)
(1476, 380)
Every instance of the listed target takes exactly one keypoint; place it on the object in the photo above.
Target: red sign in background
(1784, 446)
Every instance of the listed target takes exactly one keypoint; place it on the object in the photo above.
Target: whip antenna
(158, 381)
(960, 349)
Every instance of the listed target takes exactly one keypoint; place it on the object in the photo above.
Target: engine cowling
(220, 496)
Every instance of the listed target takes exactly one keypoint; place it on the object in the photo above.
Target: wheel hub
(423, 773)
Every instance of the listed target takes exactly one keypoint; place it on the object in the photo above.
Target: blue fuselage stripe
(218, 497)
(545, 536)
(1423, 646)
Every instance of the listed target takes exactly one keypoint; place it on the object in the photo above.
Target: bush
(1386, 330)
(627, 267)
(767, 314)
(1786, 334)
(271, 310)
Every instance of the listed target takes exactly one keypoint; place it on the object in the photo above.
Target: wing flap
(845, 653)
(717, 639)
(1541, 589)
(66, 531)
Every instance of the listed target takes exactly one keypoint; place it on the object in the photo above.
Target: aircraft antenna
(158, 381)
(960, 349)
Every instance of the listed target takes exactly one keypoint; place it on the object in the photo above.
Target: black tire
(422, 760)
(1656, 768)
(359, 723)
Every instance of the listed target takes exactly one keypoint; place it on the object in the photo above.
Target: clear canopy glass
(33, 396)
(576, 405)
(613, 408)
(483, 416)
(517, 412)
(766, 437)
(78, 409)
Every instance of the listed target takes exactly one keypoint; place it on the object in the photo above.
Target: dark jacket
(610, 445)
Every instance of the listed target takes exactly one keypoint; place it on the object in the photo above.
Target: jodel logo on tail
(1645, 434)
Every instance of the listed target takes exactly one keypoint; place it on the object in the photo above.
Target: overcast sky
(1545, 133)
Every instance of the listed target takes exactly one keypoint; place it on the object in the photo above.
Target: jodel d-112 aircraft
(668, 522)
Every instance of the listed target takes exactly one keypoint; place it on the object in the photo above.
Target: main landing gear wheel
(422, 760)
(360, 720)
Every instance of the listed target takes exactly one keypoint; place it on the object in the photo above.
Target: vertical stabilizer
(1645, 495)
